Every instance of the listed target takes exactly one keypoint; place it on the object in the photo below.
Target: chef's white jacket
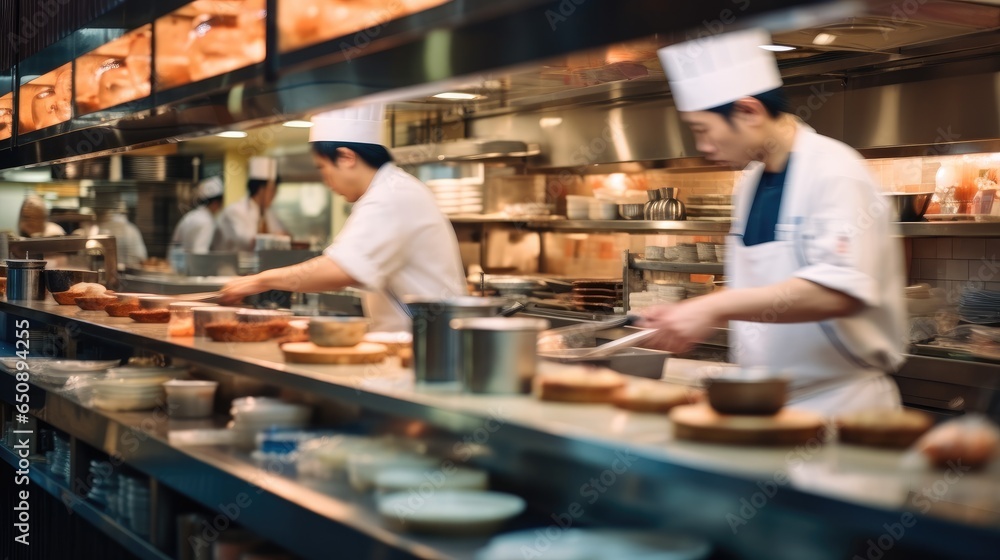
(237, 226)
(397, 243)
(836, 230)
(195, 231)
(128, 239)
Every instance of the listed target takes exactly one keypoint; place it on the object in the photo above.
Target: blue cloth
(763, 216)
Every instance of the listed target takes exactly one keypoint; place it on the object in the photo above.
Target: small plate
(600, 543)
(81, 366)
(451, 512)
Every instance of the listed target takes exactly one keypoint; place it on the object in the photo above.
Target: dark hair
(254, 185)
(372, 154)
(774, 101)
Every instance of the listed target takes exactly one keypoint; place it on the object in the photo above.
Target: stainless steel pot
(25, 280)
(435, 343)
(648, 211)
(498, 355)
(670, 208)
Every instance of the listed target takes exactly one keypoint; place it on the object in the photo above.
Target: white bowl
(190, 399)
(364, 467)
(450, 512)
(401, 479)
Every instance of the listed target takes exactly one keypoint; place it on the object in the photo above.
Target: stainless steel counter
(815, 501)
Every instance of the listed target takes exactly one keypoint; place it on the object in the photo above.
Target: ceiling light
(777, 48)
(232, 134)
(298, 124)
(550, 122)
(824, 39)
(456, 96)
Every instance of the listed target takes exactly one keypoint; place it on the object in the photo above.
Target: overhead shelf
(950, 229)
(680, 227)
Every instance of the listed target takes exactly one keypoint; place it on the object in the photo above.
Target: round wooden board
(309, 353)
(699, 422)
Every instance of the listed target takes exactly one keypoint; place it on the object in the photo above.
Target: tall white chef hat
(364, 125)
(262, 169)
(712, 71)
(210, 188)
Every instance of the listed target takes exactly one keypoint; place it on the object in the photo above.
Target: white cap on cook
(210, 188)
(262, 169)
(712, 71)
(363, 124)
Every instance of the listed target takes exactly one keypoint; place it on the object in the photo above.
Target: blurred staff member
(816, 278)
(241, 222)
(195, 230)
(112, 220)
(33, 220)
(396, 241)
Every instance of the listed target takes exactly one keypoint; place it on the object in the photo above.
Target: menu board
(116, 72)
(207, 38)
(46, 100)
(306, 22)
(7, 116)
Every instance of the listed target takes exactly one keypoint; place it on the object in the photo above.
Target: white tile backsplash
(968, 248)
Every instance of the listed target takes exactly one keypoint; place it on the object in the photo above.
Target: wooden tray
(699, 422)
(309, 353)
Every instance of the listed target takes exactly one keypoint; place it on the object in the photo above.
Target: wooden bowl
(119, 309)
(95, 303)
(151, 316)
(66, 298)
(234, 331)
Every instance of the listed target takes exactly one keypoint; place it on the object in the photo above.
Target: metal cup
(498, 354)
(435, 343)
(25, 280)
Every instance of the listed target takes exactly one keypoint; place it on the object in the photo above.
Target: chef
(815, 277)
(240, 222)
(112, 220)
(396, 241)
(195, 230)
(33, 219)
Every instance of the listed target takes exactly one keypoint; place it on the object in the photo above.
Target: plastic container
(190, 399)
(207, 315)
(182, 318)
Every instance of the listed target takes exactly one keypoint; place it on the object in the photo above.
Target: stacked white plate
(105, 489)
(451, 512)
(687, 253)
(599, 544)
(252, 415)
(128, 393)
(59, 458)
(578, 207)
(133, 503)
(58, 372)
(457, 198)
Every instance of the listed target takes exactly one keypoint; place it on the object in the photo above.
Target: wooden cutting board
(699, 422)
(309, 353)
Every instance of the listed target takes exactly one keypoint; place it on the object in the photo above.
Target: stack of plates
(58, 372)
(695, 289)
(59, 458)
(600, 543)
(252, 415)
(712, 207)
(597, 295)
(104, 491)
(456, 198)
(128, 393)
(687, 253)
(981, 307)
(133, 504)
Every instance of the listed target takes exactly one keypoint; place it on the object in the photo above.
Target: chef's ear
(347, 157)
(750, 111)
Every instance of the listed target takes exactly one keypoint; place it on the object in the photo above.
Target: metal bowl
(61, 280)
(910, 207)
(337, 331)
(631, 211)
(756, 397)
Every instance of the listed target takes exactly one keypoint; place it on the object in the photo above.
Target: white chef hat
(262, 169)
(712, 71)
(363, 124)
(210, 188)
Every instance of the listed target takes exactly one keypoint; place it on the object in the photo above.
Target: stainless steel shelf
(665, 266)
(950, 229)
(86, 511)
(682, 227)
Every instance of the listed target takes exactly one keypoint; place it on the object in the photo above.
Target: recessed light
(456, 96)
(824, 39)
(232, 134)
(298, 124)
(777, 48)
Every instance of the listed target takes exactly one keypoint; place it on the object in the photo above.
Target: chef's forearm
(319, 274)
(792, 301)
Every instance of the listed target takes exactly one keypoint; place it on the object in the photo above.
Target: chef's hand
(235, 290)
(680, 325)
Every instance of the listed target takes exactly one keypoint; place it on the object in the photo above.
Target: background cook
(816, 277)
(396, 241)
(195, 230)
(239, 223)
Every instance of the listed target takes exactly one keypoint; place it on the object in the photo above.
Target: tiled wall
(954, 263)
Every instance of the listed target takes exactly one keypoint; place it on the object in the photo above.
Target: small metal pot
(498, 354)
(435, 343)
(25, 280)
(756, 397)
